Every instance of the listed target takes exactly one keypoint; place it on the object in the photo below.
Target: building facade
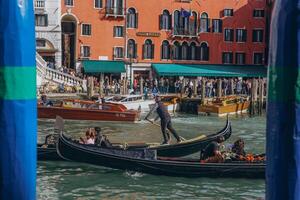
(48, 30)
(143, 32)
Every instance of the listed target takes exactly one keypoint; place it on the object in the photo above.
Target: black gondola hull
(82, 153)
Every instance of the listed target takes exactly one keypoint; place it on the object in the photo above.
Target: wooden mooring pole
(261, 96)
(253, 101)
(202, 90)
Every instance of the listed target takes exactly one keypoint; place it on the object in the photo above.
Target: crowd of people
(234, 86)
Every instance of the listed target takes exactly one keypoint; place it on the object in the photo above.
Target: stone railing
(52, 75)
(60, 77)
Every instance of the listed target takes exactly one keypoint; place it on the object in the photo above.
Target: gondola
(47, 150)
(184, 148)
(146, 161)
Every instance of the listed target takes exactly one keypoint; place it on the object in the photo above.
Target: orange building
(143, 32)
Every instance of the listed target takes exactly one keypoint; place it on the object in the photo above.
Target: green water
(64, 180)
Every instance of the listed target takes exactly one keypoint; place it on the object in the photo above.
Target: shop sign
(148, 34)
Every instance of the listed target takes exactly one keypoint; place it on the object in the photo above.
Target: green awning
(210, 70)
(103, 66)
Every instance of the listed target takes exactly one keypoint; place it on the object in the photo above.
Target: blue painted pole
(17, 101)
(283, 109)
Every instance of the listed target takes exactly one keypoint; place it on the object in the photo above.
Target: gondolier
(165, 120)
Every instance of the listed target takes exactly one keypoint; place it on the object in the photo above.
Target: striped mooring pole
(18, 113)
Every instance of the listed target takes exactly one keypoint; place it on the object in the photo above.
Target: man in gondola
(212, 153)
(165, 120)
(101, 140)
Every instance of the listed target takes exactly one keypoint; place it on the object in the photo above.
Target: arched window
(204, 52)
(184, 51)
(131, 49)
(132, 18)
(193, 23)
(165, 50)
(176, 51)
(193, 51)
(204, 23)
(165, 20)
(177, 23)
(148, 50)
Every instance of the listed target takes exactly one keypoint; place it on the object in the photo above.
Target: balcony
(114, 12)
(39, 4)
(184, 32)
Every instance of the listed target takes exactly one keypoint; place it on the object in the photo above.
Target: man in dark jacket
(165, 120)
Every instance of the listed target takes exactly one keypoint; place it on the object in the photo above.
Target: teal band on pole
(18, 113)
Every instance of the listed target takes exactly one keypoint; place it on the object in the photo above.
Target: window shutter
(245, 36)
(170, 22)
(231, 35)
(135, 51)
(152, 51)
(220, 26)
(197, 52)
(46, 20)
(160, 22)
(207, 54)
(81, 51)
(127, 20)
(144, 51)
(179, 53)
(208, 25)
(136, 20)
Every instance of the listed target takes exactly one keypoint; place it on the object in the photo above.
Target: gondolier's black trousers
(168, 125)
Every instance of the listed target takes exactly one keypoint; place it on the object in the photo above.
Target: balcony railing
(185, 32)
(39, 4)
(114, 11)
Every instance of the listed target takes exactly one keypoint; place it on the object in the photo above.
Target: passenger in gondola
(212, 153)
(165, 120)
(101, 140)
(238, 148)
(90, 137)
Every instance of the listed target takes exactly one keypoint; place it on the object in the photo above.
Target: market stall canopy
(210, 70)
(103, 66)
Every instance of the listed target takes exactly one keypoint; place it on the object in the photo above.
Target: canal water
(66, 180)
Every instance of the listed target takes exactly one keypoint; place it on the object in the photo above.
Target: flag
(17, 101)
(184, 13)
(283, 108)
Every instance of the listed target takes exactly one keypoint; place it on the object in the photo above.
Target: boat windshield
(117, 98)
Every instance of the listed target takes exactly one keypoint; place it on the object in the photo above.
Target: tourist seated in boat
(90, 137)
(45, 101)
(212, 153)
(238, 147)
(101, 140)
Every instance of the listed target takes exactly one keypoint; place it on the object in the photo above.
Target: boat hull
(80, 153)
(84, 114)
(47, 154)
(226, 109)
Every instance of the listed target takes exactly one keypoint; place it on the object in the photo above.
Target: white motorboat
(131, 101)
